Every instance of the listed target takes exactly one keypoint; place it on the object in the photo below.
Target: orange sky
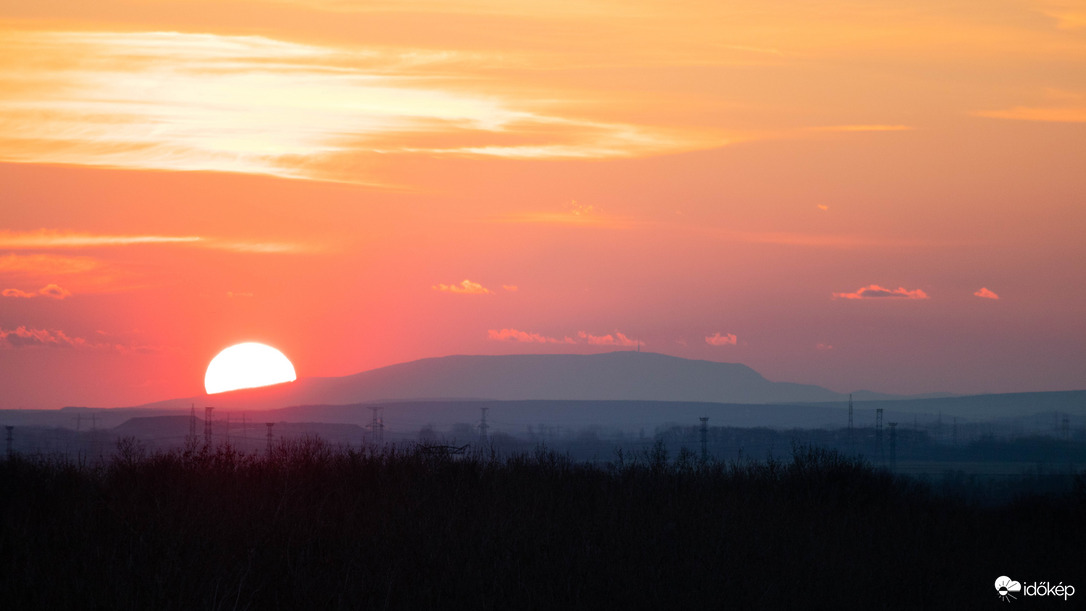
(862, 195)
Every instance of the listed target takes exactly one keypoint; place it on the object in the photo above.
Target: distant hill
(463, 381)
(1009, 414)
(628, 390)
(989, 407)
(611, 376)
(636, 376)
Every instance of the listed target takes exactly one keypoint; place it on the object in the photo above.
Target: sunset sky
(876, 194)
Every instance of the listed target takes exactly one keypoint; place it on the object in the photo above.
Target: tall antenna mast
(269, 425)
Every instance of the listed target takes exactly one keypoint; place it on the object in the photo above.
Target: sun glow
(247, 365)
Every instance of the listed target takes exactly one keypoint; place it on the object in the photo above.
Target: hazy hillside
(611, 376)
(620, 390)
(990, 407)
(608, 377)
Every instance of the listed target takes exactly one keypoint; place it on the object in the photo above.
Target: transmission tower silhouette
(893, 446)
(96, 446)
(269, 425)
(377, 425)
(192, 425)
(878, 434)
(483, 426)
(9, 428)
(207, 425)
(851, 441)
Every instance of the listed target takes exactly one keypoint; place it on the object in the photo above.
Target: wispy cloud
(1046, 114)
(260, 247)
(985, 293)
(573, 214)
(874, 291)
(861, 128)
(1053, 106)
(61, 275)
(566, 218)
(258, 105)
(718, 339)
(28, 337)
(843, 241)
(18, 294)
(820, 240)
(615, 339)
(515, 335)
(577, 209)
(23, 337)
(52, 291)
(466, 287)
(581, 337)
(46, 264)
(1069, 14)
(512, 288)
(47, 239)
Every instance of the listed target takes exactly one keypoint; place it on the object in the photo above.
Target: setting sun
(816, 190)
(247, 365)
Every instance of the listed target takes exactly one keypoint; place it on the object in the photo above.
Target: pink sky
(861, 195)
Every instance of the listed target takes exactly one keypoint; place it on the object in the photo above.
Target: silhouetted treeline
(907, 444)
(312, 526)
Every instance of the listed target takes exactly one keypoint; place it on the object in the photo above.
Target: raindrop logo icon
(1005, 585)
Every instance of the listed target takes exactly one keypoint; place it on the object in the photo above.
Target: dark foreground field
(317, 528)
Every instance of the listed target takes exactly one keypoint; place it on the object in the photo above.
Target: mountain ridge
(620, 375)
